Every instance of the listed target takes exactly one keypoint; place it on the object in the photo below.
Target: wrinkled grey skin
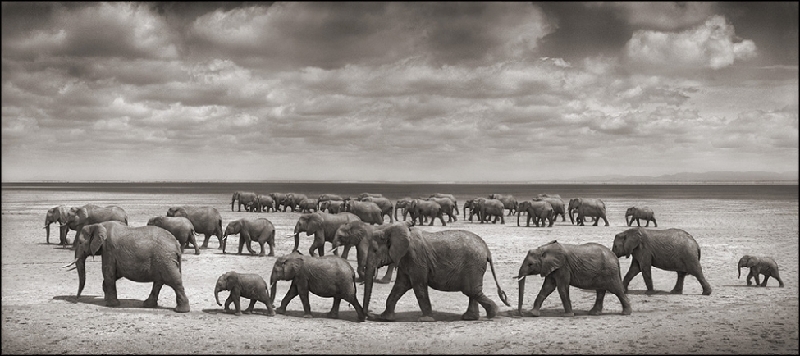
(331, 206)
(93, 214)
(386, 206)
(587, 266)
(365, 210)
(308, 205)
(323, 227)
(278, 198)
(671, 250)
(205, 219)
(265, 203)
(327, 197)
(448, 196)
(420, 209)
(243, 198)
(555, 201)
(123, 249)
(759, 265)
(58, 214)
(509, 202)
(243, 285)
(357, 233)
(492, 208)
(643, 213)
(259, 230)
(449, 207)
(327, 277)
(448, 260)
(292, 200)
(180, 227)
(585, 208)
(402, 203)
(538, 210)
(473, 205)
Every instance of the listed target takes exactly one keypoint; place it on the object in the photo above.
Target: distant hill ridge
(712, 176)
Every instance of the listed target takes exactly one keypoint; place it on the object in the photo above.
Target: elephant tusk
(69, 264)
(73, 267)
(519, 278)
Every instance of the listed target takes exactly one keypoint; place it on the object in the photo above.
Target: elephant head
(522, 206)
(309, 223)
(55, 214)
(746, 261)
(285, 268)
(543, 260)
(573, 204)
(233, 198)
(228, 281)
(89, 242)
(388, 244)
(629, 213)
(233, 228)
(627, 241)
(176, 211)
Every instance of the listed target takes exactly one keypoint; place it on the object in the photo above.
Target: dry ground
(40, 313)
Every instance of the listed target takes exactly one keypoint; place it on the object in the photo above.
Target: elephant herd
(452, 260)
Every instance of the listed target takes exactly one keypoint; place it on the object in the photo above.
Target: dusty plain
(40, 314)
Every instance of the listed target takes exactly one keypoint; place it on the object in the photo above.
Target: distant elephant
(588, 266)
(292, 201)
(178, 226)
(671, 250)
(587, 207)
(402, 203)
(759, 265)
(58, 214)
(327, 277)
(259, 230)
(327, 197)
(308, 205)
(472, 206)
(93, 214)
(243, 198)
(386, 205)
(243, 285)
(123, 251)
(365, 210)
(449, 207)
(448, 196)
(331, 206)
(357, 233)
(371, 195)
(448, 260)
(538, 210)
(205, 219)
(278, 198)
(640, 213)
(323, 226)
(492, 208)
(559, 208)
(265, 203)
(421, 209)
(509, 202)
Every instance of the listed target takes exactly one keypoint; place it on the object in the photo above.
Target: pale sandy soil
(40, 313)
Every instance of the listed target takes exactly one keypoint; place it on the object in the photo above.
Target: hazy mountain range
(714, 176)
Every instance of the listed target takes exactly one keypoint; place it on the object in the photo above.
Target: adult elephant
(640, 213)
(259, 230)
(243, 198)
(586, 266)
(278, 198)
(492, 208)
(559, 208)
(292, 201)
(448, 196)
(760, 265)
(180, 227)
(587, 207)
(323, 226)
(123, 251)
(473, 206)
(308, 205)
(671, 250)
(367, 211)
(538, 210)
(402, 203)
(331, 206)
(449, 207)
(509, 202)
(205, 219)
(449, 260)
(357, 233)
(327, 197)
(265, 203)
(58, 214)
(92, 214)
(371, 195)
(425, 208)
(386, 205)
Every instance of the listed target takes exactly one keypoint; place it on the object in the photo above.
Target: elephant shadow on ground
(344, 314)
(747, 286)
(559, 313)
(411, 316)
(221, 311)
(128, 305)
(644, 292)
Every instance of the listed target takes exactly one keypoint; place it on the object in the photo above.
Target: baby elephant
(247, 285)
(586, 266)
(759, 265)
(328, 276)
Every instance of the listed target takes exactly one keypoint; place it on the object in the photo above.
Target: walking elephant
(123, 250)
(760, 265)
(59, 214)
(180, 227)
(265, 203)
(327, 277)
(308, 205)
(473, 205)
(585, 208)
(205, 219)
(640, 213)
(357, 233)
(278, 198)
(671, 250)
(292, 201)
(327, 197)
(448, 196)
(323, 226)
(448, 207)
(386, 206)
(93, 214)
(259, 230)
(402, 203)
(449, 260)
(420, 209)
(559, 208)
(586, 266)
(331, 206)
(243, 285)
(508, 200)
(243, 198)
(538, 210)
(492, 208)
(367, 211)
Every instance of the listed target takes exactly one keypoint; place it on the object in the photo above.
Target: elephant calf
(644, 213)
(246, 285)
(260, 230)
(759, 265)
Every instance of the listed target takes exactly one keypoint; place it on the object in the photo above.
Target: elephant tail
(500, 292)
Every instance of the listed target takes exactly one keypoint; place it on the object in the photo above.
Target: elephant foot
(271, 313)
(627, 311)
(332, 315)
(112, 303)
(676, 291)
(247, 311)
(271, 254)
(535, 312)
(150, 303)
(708, 291)
(384, 316)
(491, 312)
(569, 315)
(197, 252)
(594, 311)
(238, 313)
(470, 316)
(182, 308)
(308, 316)
(650, 292)
(426, 319)
(262, 254)
(749, 283)
(204, 246)
(280, 310)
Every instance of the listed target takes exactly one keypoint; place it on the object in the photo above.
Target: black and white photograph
(400, 177)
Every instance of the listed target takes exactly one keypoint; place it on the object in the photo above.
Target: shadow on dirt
(125, 305)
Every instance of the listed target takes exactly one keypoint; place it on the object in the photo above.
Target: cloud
(711, 45)
(663, 16)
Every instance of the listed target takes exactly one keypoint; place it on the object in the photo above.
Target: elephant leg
(472, 312)
(110, 291)
(654, 222)
(749, 278)
(424, 301)
(563, 292)
(401, 285)
(702, 279)
(597, 220)
(271, 248)
(598, 303)
(251, 306)
(623, 299)
(632, 272)
(758, 279)
(290, 294)
(228, 302)
(262, 253)
(270, 308)
(502, 219)
(648, 278)
(194, 243)
(181, 300)
(303, 292)
(778, 278)
(678, 288)
(152, 300)
(441, 218)
(248, 242)
(357, 306)
(205, 240)
(764, 282)
(334, 313)
(387, 278)
(345, 251)
(241, 244)
(548, 286)
(487, 304)
(604, 219)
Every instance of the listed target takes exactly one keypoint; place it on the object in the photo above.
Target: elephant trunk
(273, 282)
(740, 269)
(369, 280)
(627, 221)
(521, 293)
(80, 264)
(297, 230)
(571, 219)
(518, 214)
(217, 289)
(47, 228)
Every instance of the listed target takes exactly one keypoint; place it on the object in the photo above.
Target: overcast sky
(396, 91)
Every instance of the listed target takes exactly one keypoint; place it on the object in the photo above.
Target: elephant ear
(633, 238)
(397, 236)
(231, 280)
(554, 256)
(293, 265)
(97, 239)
